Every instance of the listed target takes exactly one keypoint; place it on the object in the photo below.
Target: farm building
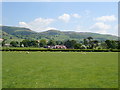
(57, 47)
(7, 45)
(60, 47)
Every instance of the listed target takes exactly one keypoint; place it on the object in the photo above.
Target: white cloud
(23, 24)
(38, 25)
(64, 17)
(106, 18)
(50, 28)
(100, 27)
(76, 15)
(43, 21)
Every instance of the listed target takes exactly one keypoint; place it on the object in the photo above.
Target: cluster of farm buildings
(57, 47)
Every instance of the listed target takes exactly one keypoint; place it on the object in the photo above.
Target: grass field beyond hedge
(60, 70)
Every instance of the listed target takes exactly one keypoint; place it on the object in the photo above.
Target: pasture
(59, 69)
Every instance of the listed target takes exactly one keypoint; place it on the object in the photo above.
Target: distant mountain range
(18, 33)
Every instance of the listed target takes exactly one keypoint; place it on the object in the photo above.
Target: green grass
(60, 70)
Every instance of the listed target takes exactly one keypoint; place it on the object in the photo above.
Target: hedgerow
(63, 50)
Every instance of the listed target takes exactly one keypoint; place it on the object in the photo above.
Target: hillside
(76, 35)
(18, 33)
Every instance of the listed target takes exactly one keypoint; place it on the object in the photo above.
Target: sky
(96, 17)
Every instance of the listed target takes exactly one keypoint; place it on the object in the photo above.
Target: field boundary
(60, 50)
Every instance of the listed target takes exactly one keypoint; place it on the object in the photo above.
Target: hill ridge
(26, 33)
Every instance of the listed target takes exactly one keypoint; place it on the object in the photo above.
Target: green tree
(77, 46)
(95, 43)
(90, 43)
(26, 43)
(59, 43)
(14, 43)
(29, 43)
(51, 43)
(90, 39)
(33, 43)
(111, 44)
(70, 43)
(4, 42)
(85, 41)
(118, 47)
(43, 43)
(114, 44)
(103, 45)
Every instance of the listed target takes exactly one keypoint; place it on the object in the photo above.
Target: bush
(63, 50)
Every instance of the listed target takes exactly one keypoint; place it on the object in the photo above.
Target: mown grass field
(60, 70)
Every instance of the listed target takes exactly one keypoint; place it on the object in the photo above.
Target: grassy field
(60, 70)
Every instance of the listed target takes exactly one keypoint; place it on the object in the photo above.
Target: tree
(90, 43)
(33, 43)
(118, 47)
(95, 43)
(21, 43)
(14, 43)
(90, 38)
(3, 42)
(67, 44)
(103, 45)
(77, 46)
(85, 41)
(51, 43)
(114, 44)
(43, 43)
(111, 44)
(59, 43)
(29, 43)
(70, 43)
(25, 43)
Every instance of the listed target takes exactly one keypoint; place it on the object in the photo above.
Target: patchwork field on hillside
(60, 69)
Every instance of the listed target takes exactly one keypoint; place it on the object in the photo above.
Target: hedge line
(63, 50)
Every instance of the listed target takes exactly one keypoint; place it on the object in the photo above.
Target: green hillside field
(12, 33)
(60, 69)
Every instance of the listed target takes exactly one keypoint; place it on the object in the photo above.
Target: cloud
(76, 15)
(23, 24)
(100, 27)
(64, 17)
(106, 18)
(43, 21)
(38, 25)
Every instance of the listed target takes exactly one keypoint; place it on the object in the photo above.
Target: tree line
(87, 43)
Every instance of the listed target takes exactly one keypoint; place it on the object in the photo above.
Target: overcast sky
(97, 17)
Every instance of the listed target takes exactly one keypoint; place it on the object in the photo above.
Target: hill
(19, 33)
(55, 34)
